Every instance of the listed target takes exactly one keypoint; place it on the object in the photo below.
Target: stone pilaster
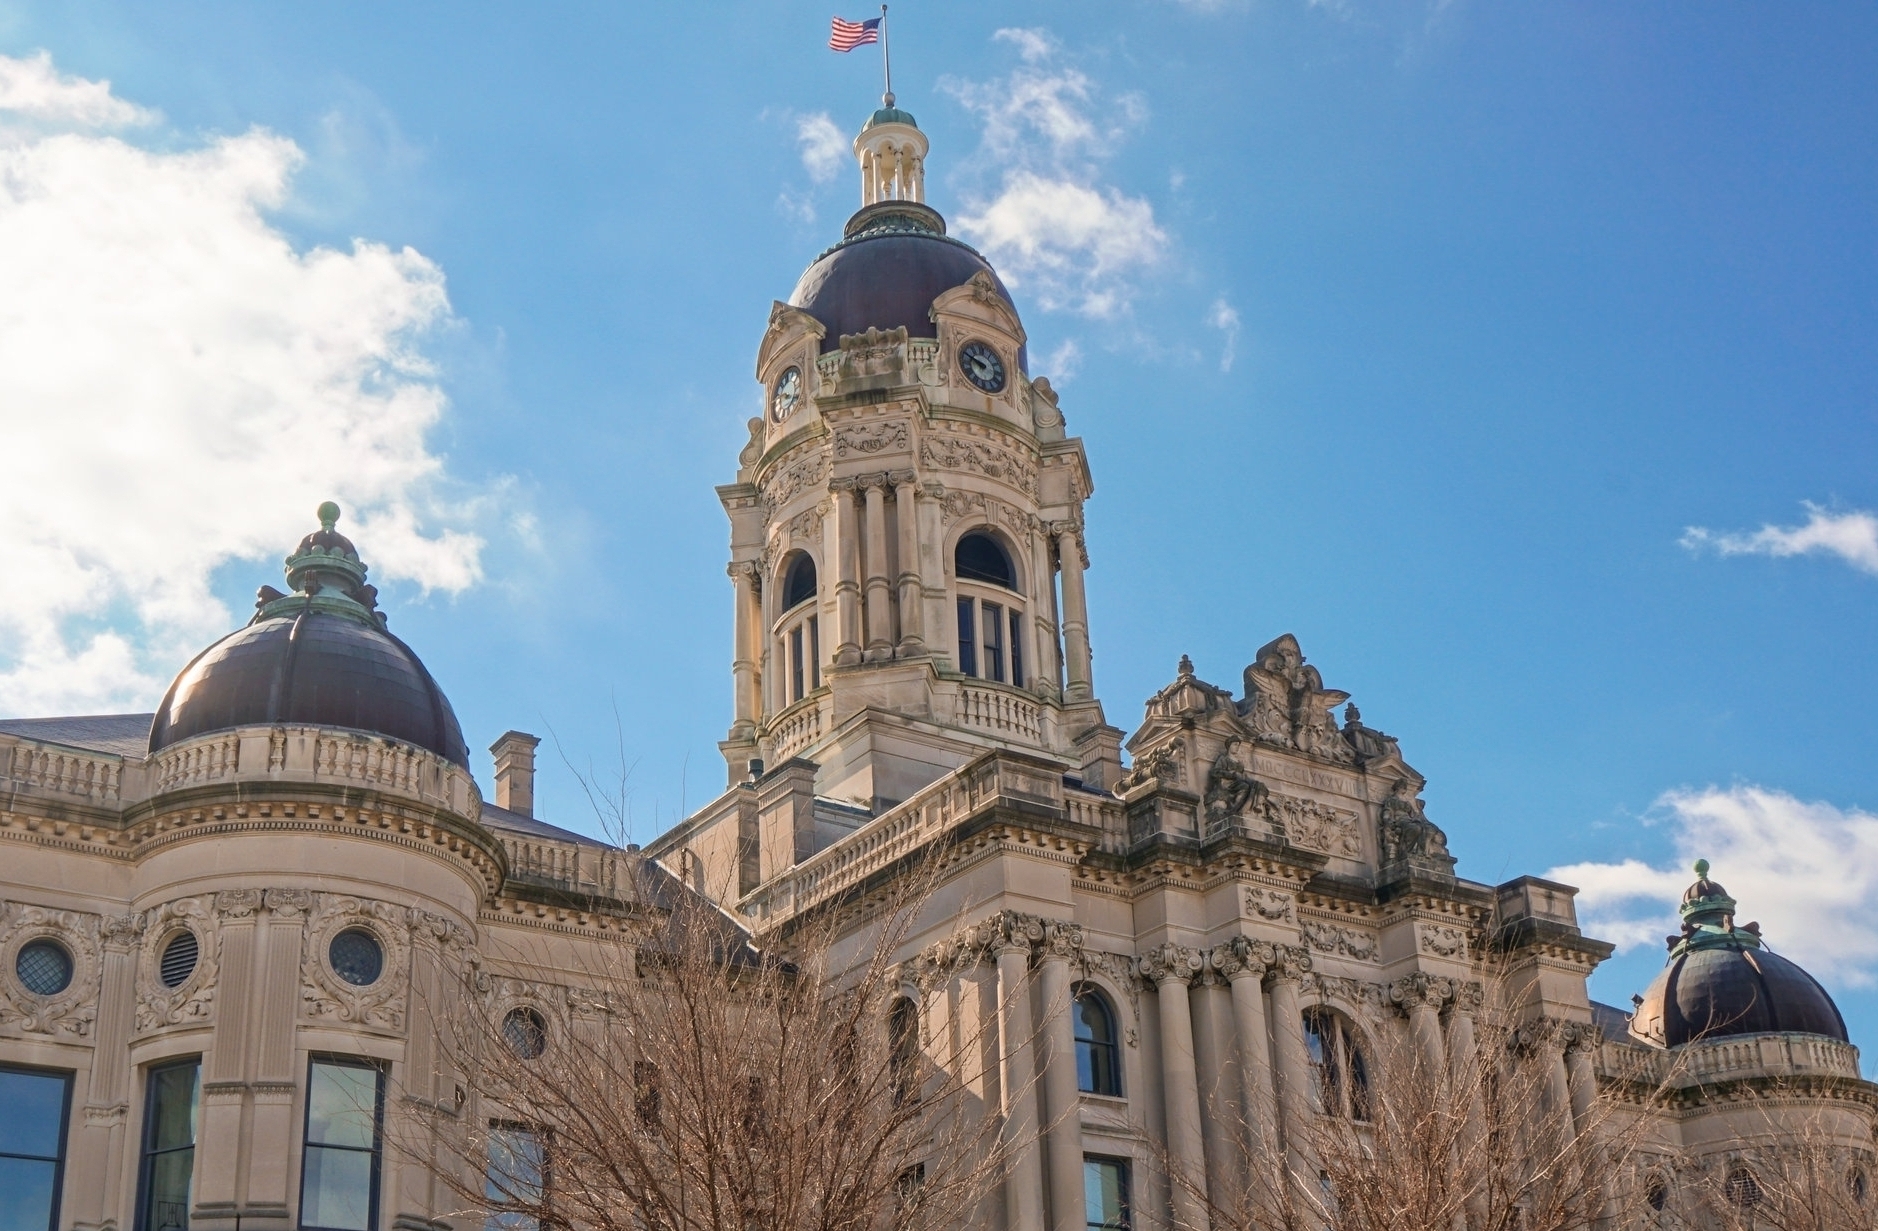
(1169, 968)
(906, 514)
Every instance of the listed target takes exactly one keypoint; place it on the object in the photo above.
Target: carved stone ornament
(1315, 826)
(1267, 903)
(1340, 940)
(70, 1012)
(324, 996)
(1231, 790)
(1420, 990)
(789, 479)
(1242, 957)
(1406, 835)
(193, 1000)
(1290, 964)
(949, 451)
(876, 352)
(1188, 697)
(1368, 743)
(1468, 997)
(805, 528)
(1357, 997)
(1161, 764)
(1170, 963)
(989, 510)
(1443, 941)
(870, 438)
(753, 448)
(1287, 704)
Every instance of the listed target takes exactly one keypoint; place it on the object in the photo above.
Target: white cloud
(180, 387)
(1852, 536)
(1062, 363)
(1050, 223)
(1225, 318)
(825, 151)
(1806, 870)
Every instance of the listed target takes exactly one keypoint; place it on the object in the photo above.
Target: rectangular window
(516, 1179)
(32, 1147)
(968, 641)
(1105, 1193)
(1017, 648)
(994, 642)
(795, 663)
(169, 1146)
(345, 1108)
(815, 654)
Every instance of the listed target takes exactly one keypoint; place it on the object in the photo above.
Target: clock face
(982, 366)
(787, 395)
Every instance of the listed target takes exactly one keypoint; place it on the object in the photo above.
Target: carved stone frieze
(976, 506)
(867, 439)
(1442, 941)
(193, 1000)
(1343, 941)
(1354, 995)
(70, 1012)
(1315, 826)
(949, 451)
(1268, 903)
(789, 479)
(324, 995)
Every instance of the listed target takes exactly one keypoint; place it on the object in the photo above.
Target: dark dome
(895, 260)
(319, 657)
(1723, 981)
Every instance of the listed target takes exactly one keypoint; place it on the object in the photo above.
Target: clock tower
(907, 548)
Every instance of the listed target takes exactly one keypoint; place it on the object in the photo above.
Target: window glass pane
(342, 1108)
(795, 663)
(166, 1195)
(26, 1194)
(516, 1163)
(1105, 1192)
(815, 654)
(1017, 649)
(968, 645)
(173, 1107)
(34, 1108)
(994, 642)
(337, 1189)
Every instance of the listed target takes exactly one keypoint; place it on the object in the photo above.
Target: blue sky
(1518, 359)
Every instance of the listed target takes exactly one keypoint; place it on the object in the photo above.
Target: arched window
(991, 624)
(799, 581)
(979, 557)
(798, 645)
(1098, 1059)
(1744, 1191)
(903, 1049)
(1342, 1077)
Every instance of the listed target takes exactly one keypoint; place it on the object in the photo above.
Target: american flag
(847, 35)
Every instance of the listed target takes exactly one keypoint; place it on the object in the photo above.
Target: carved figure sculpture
(1287, 704)
(1231, 790)
(1406, 832)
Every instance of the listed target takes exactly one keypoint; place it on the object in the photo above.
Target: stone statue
(1287, 704)
(1231, 790)
(1407, 833)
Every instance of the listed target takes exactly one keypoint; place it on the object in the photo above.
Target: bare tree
(1801, 1159)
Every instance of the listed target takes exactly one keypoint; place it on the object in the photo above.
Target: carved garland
(193, 1000)
(980, 457)
(1333, 938)
(72, 1011)
(326, 996)
(871, 439)
(783, 485)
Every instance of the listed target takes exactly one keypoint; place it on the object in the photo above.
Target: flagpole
(886, 57)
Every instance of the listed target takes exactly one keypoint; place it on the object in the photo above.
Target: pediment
(787, 325)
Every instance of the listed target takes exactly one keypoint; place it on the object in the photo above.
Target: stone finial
(1186, 665)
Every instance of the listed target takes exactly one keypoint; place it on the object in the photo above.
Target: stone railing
(1736, 1058)
(794, 729)
(1099, 810)
(204, 760)
(1005, 711)
(599, 871)
(96, 778)
(994, 778)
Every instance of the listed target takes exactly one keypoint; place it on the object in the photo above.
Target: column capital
(1290, 963)
(1421, 990)
(1061, 942)
(932, 490)
(121, 933)
(902, 478)
(741, 570)
(1468, 997)
(289, 903)
(1242, 958)
(1170, 963)
(844, 483)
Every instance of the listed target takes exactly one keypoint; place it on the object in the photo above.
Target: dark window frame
(519, 1221)
(801, 581)
(1104, 1056)
(991, 633)
(968, 635)
(382, 1071)
(1342, 1072)
(147, 1154)
(1125, 1188)
(69, 1078)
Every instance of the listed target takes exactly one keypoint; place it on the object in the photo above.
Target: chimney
(515, 772)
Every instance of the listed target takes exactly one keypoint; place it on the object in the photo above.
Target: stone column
(879, 588)
(1545, 1037)
(1463, 1067)
(1017, 1078)
(1296, 1099)
(1046, 662)
(1581, 1042)
(94, 1172)
(932, 573)
(1169, 968)
(847, 575)
(276, 1001)
(746, 636)
(906, 512)
(1062, 1100)
(1076, 655)
(1421, 996)
(1243, 963)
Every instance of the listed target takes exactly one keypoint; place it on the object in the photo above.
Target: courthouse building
(222, 925)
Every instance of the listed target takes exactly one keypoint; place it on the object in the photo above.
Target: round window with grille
(44, 968)
(357, 957)
(179, 959)
(525, 1032)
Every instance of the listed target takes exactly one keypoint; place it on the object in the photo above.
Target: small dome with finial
(320, 655)
(1723, 980)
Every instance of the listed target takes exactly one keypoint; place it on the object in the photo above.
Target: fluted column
(1075, 613)
(1169, 968)
(1464, 1068)
(746, 636)
(879, 588)
(906, 511)
(847, 574)
(1242, 963)
(1047, 666)
(94, 1170)
(1062, 1101)
(1295, 1098)
(1581, 1041)
(1421, 996)
(1017, 1079)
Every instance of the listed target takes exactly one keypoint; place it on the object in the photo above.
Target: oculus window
(171, 1102)
(43, 967)
(345, 1109)
(37, 1106)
